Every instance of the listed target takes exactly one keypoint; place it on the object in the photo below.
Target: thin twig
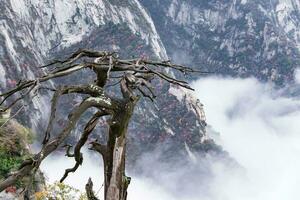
(18, 111)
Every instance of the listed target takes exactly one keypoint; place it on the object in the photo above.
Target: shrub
(60, 191)
(8, 163)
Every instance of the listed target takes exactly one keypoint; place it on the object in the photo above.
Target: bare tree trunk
(115, 180)
(114, 185)
(135, 81)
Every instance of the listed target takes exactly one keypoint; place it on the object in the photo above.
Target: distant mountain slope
(235, 37)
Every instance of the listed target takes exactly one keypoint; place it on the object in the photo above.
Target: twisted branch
(136, 78)
(28, 166)
(90, 126)
(92, 90)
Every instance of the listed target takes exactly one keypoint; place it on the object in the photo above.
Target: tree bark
(113, 154)
(137, 75)
(116, 182)
(89, 190)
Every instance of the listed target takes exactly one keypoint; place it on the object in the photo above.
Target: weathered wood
(136, 77)
(90, 126)
(115, 187)
(52, 145)
(89, 190)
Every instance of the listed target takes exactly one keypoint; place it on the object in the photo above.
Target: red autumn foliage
(11, 189)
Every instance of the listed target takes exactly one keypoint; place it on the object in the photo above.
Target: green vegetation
(14, 140)
(8, 163)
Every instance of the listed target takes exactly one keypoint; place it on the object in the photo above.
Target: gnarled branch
(100, 148)
(52, 145)
(92, 90)
(90, 126)
(137, 75)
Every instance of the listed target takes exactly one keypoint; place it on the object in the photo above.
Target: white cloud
(259, 128)
(54, 168)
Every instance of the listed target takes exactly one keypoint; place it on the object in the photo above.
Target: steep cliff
(34, 32)
(233, 37)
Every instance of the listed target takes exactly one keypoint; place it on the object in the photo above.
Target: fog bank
(260, 129)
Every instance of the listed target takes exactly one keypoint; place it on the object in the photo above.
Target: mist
(259, 127)
(254, 122)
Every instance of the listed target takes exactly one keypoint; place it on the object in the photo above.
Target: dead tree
(133, 76)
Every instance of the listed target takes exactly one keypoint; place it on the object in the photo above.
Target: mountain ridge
(234, 37)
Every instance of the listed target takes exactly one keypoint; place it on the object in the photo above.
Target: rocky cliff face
(34, 32)
(234, 37)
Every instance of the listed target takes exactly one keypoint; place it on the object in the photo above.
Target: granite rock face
(233, 37)
(34, 32)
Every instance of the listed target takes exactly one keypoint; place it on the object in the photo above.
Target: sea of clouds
(255, 123)
(259, 127)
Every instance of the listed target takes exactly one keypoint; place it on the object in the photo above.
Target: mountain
(34, 32)
(232, 37)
